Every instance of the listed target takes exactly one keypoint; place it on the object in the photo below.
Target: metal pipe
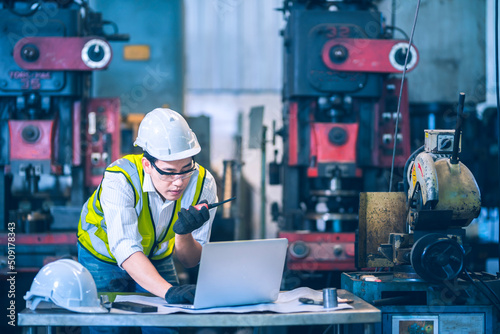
(458, 129)
(263, 186)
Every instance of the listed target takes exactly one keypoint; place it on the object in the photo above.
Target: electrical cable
(482, 291)
(112, 24)
(393, 28)
(401, 93)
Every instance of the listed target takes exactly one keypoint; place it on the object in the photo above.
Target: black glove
(191, 219)
(180, 294)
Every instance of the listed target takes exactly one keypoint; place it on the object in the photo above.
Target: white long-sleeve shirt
(118, 205)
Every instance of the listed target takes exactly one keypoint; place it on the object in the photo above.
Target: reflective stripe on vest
(92, 229)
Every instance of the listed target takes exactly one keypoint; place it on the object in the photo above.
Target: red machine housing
(384, 126)
(62, 53)
(103, 137)
(334, 143)
(31, 140)
(320, 251)
(356, 55)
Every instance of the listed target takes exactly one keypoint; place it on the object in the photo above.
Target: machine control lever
(458, 129)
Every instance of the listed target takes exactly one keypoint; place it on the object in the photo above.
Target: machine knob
(337, 136)
(400, 56)
(96, 53)
(338, 250)
(338, 54)
(31, 133)
(446, 144)
(30, 53)
(397, 56)
(299, 249)
(437, 258)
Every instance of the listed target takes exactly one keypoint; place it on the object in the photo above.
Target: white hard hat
(165, 135)
(67, 284)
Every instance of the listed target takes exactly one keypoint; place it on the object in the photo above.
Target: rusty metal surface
(380, 213)
(401, 247)
(458, 191)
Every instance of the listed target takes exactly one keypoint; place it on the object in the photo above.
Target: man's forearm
(145, 274)
(187, 250)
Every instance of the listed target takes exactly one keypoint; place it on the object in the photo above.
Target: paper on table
(288, 302)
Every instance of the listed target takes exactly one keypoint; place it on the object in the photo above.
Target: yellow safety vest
(92, 229)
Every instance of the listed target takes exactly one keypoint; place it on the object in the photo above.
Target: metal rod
(398, 110)
(458, 129)
(263, 186)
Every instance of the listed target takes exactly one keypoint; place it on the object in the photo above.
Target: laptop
(236, 273)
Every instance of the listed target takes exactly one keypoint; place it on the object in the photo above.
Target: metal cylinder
(330, 298)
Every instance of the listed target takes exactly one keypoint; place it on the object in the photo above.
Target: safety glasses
(171, 177)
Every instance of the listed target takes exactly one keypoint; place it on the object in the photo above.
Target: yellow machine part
(458, 191)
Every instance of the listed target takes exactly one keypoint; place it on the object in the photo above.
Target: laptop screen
(240, 272)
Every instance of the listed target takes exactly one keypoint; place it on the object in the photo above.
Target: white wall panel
(451, 39)
(233, 46)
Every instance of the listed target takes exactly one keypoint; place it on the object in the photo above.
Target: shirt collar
(147, 184)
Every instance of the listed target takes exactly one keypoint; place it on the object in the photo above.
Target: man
(143, 207)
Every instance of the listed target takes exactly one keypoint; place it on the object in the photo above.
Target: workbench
(362, 313)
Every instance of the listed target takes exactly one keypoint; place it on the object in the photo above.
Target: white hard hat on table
(67, 284)
(165, 135)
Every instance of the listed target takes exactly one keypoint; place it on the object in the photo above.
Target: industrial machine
(340, 103)
(442, 197)
(56, 139)
(413, 245)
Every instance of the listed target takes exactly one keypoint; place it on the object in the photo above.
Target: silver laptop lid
(240, 272)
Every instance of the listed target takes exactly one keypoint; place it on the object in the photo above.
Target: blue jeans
(110, 278)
